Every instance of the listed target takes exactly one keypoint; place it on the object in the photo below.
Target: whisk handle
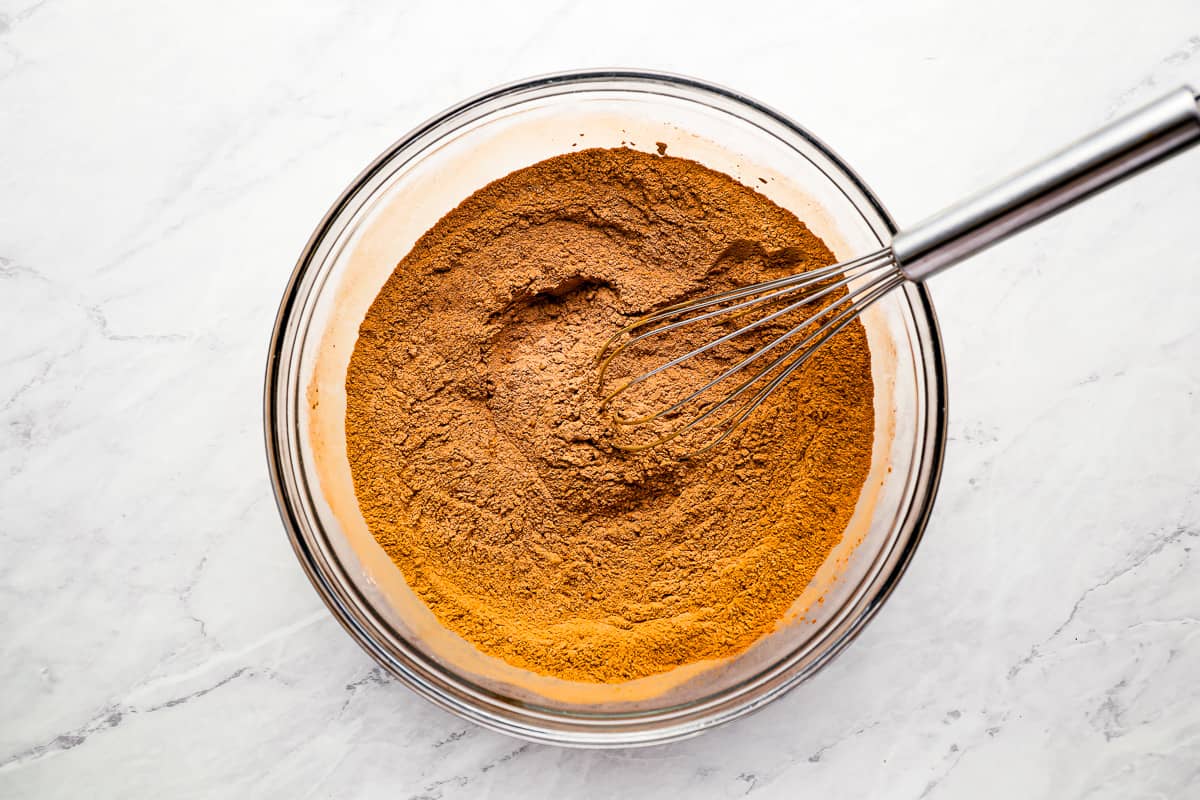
(1111, 154)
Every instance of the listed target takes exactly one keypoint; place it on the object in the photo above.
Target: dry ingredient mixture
(484, 467)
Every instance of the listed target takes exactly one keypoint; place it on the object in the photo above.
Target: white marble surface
(161, 165)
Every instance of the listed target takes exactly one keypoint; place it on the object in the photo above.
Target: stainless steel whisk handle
(1111, 154)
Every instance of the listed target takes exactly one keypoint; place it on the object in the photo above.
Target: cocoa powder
(484, 467)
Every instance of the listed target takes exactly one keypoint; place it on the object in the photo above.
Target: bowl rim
(513, 717)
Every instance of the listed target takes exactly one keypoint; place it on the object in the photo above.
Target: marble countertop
(162, 164)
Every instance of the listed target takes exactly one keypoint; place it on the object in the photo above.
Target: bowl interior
(377, 222)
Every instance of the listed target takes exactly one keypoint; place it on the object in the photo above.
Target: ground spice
(483, 466)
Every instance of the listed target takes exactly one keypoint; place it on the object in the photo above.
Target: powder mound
(484, 466)
(542, 398)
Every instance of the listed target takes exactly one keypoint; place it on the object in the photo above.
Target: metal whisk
(815, 305)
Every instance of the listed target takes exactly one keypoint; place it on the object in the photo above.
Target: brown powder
(484, 468)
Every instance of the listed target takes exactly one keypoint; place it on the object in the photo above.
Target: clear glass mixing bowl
(375, 222)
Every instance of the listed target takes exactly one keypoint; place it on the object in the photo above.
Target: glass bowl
(376, 221)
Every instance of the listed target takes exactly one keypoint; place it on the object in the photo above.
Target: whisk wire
(762, 351)
(808, 277)
(878, 274)
(781, 287)
(729, 425)
(715, 342)
(805, 348)
(785, 285)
